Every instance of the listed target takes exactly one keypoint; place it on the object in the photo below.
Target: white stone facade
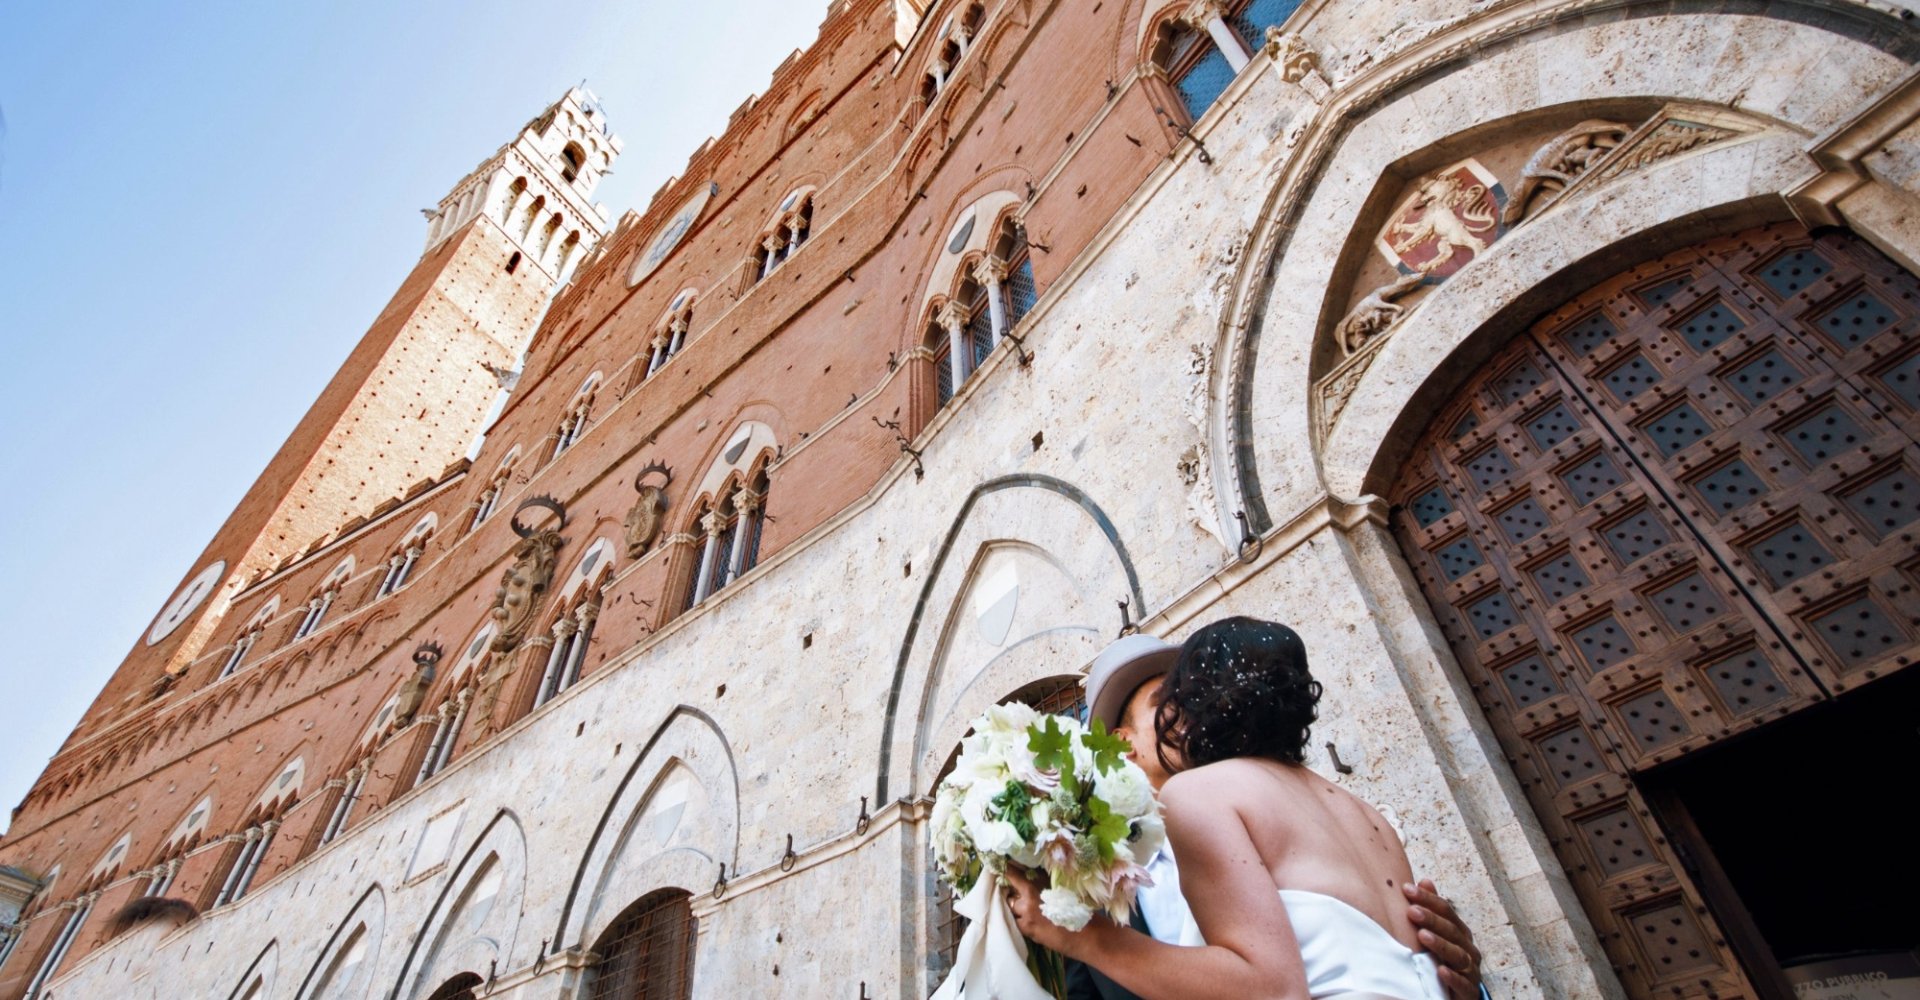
(1109, 469)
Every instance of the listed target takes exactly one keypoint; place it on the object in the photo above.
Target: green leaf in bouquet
(1070, 784)
(1052, 746)
(1107, 827)
(1108, 750)
(1014, 805)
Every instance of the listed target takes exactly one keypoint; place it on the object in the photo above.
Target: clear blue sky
(201, 209)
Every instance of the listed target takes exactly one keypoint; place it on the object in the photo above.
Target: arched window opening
(317, 609)
(489, 500)
(647, 954)
(461, 987)
(513, 262)
(572, 635)
(1204, 48)
(254, 844)
(1018, 290)
(160, 877)
(672, 334)
(61, 944)
(446, 732)
(732, 529)
(406, 556)
(572, 159)
(342, 810)
(929, 89)
(970, 24)
(515, 192)
(574, 423)
(241, 647)
(779, 243)
(531, 217)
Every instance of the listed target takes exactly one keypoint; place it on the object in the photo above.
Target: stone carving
(1448, 212)
(1561, 160)
(1376, 312)
(1297, 62)
(527, 580)
(1337, 390)
(649, 511)
(1665, 138)
(414, 691)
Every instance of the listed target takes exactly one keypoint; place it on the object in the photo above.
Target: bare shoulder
(1222, 782)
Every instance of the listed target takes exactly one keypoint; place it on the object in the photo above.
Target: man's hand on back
(1446, 938)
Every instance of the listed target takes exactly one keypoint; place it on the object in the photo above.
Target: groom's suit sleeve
(1084, 982)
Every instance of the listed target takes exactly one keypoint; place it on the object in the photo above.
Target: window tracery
(783, 239)
(671, 334)
(1206, 45)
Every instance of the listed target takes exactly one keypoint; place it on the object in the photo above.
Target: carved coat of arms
(1450, 217)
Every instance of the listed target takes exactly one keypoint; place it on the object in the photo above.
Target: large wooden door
(1679, 507)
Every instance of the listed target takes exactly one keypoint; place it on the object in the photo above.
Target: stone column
(1211, 16)
(771, 245)
(797, 227)
(583, 634)
(953, 317)
(659, 355)
(747, 502)
(703, 583)
(413, 556)
(679, 330)
(557, 658)
(991, 273)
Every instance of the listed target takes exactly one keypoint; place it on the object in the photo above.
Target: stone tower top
(537, 187)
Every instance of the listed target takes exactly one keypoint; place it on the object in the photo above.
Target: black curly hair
(1239, 689)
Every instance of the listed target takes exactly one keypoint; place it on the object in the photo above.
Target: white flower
(1153, 834)
(1125, 790)
(1065, 908)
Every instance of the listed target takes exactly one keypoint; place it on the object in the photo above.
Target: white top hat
(1120, 669)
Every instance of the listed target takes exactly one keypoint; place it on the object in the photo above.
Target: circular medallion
(190, 597)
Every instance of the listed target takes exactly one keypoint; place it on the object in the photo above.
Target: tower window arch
(671, 334)
(249, 637)
(992, 293)
(647, 952)
(579, 608)
(574, 423)
(572, 159)
(322, 602)
(496, 489)
(406, 556)
(1204, 47)
(957, 36)
(783, 239)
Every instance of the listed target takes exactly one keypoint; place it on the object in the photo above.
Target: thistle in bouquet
(1062, 805)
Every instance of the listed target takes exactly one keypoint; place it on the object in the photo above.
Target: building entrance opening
(1804, 829)
(1669, 526)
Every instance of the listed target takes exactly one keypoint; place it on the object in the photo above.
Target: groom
(1121, 690)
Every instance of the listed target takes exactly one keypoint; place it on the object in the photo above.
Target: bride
(1295, 885)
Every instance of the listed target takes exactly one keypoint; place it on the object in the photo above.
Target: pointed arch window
(241, 647)
(957, 36)
(778, 244)
(446, 732)
(1204, 48)
(343, 806)
(406, 556)
(246, 862)
(572, 635)
(647, 953)
(574, 424)
(490, 497)
(672, 334)
(160, 877)
(63, 942)
(732, 538)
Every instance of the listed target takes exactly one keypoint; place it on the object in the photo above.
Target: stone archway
(1676, 509)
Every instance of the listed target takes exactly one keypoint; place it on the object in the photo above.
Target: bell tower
(416, 389)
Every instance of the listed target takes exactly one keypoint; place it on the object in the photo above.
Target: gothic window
(160, 877)
(446, 732)
(401, 563)
(957, 38)
(647, 953)
(1017, 289)
(61, 943)
(572, 634)
(574, 424)
(322, 602)
(1203, 49)
(572, 159)
(246, 862)
(671, 335)
(343, 806)
(732, 530)
(784, 238)
(513, 262)
(241, 647)
(515, 191)
(496, 489)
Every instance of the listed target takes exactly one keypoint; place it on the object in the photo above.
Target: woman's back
(1314, 836)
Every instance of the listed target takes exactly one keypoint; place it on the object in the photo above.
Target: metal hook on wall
(720, 884)
(1127, 627)
(787, 859)
(860, 825)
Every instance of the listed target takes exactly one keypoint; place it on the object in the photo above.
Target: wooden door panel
(1681, 506)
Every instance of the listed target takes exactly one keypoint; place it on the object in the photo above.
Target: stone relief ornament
(1560, 161)
(527, 580)
(1659, 139)
(649, 511)
(1297, 62)
(414, 691)
(1451, 217)
(1376, 312)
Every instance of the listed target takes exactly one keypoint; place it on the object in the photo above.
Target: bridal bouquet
(1042, 793)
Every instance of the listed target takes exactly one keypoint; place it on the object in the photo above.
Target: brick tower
(416, 390)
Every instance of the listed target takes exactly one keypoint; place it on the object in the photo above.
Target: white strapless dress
(1345, 951)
